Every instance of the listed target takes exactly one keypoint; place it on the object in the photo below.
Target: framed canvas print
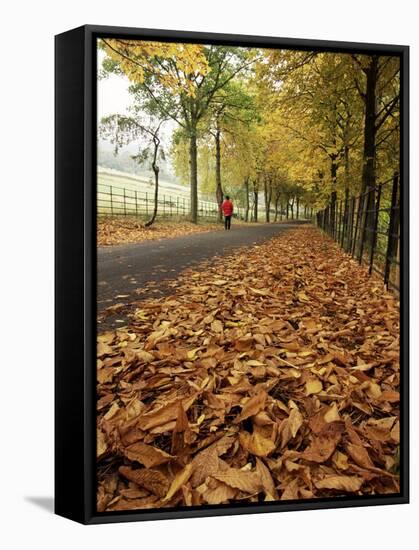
(231, 274)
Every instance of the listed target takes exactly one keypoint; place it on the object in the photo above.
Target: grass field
(119, 193)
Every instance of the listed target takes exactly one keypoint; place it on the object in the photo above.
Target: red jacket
(227, 207)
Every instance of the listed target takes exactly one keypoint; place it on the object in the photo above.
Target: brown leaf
(253, 406)
(265, 369)
(266, 479)
(360, 455)
(246, 481)
(152, 480)
(256, 444)
(390, 396)
(324, 444)
(206, 463)
(163, 414)
(350, 484)
(221, 494)
(147, 455)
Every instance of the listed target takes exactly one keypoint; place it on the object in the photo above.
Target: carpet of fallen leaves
(271, 375)
(125, 230)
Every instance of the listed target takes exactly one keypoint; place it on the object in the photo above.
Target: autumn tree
(377, 81)
(121, 130)
(178, 81)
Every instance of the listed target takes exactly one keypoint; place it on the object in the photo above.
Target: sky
(113, 98)
(112, 93)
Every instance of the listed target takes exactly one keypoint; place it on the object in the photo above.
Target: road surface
(125, 270)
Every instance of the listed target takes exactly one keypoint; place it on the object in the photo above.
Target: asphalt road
(125, 269)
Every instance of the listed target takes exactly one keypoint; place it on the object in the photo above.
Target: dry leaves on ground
(125, 230)
(271, 375)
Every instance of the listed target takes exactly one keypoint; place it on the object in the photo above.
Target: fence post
(351, 226)
(164, 205)
(177, 206)
(111, 201)
(125, 204)
(362, 229)
(374, 229)
(358, 216)
(345, 222)
(146, 203)
(392, 229)
(367, 203)
(136, 205)
(339, 224)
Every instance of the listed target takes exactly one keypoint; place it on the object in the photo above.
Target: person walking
(227, 208)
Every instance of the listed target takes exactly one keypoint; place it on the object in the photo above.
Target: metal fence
(368, 228)
(118, 201)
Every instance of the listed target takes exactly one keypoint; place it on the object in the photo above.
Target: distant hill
(123, 162)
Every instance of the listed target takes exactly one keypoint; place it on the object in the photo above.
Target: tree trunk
(193, 163)
(369, 152)
(255, 199)
(156, 183)
(298, 206)
(368, 167)
(333, 194)
(346, 207)
(277, 196)
(246, 188)
(292, 208)
(288, 209)
(219, 189)
(268, 196)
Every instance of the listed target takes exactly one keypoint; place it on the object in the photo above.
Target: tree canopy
(304, 128)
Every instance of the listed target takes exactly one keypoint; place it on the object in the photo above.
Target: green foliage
(287, 122)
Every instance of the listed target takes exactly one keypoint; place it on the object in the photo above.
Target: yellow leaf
(180, 480)
(256, 444)
(340, 460)
(302, 297)
(332, 414)
(254, 363)
(144, 356)
(101, 446)
(295, 421)
(313, 386)
(260, 292)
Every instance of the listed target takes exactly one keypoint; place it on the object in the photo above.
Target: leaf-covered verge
(125, 230)
(271, 375)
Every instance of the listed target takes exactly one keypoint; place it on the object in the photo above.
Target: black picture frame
(75, 273)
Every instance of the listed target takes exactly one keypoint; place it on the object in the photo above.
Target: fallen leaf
(152, 480)
(313, 386)
(256, 444)
(180, 479)
(147, 455)
(246, 481)
(253, 406)
(350, 484)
